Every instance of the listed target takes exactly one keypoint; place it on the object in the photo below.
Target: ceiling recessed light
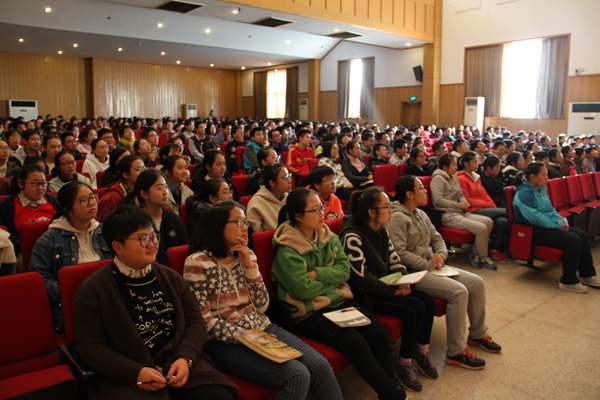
(160, 25)
(21, 40)
(235, 11)
(75, 44)
(408, 44)
(120, 49)
(178, 62)
(60, 52)
(268, 63)
(288, 41)
(336, 30)
(162, 53)
(47, 9)
(243, 67)
(212, 65)
(207, 30)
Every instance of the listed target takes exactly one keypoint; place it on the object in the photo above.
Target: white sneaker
(577, 288)
(591, 281)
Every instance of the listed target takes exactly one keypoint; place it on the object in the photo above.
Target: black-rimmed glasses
(93, 199)
(240, 223)
(318, 210)
(146, 240)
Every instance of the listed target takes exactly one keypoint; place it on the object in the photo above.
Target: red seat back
(241, 184)
(187, 147)
(587, 186)
(245, 200)
(386, 177)
(162, 139)
(426, 181)
(284, 157)
(596, 179)
(557, 192)
(335, 225)
(403, 167)
(177, 256)
(313, 162)
(99, 192)
(367, 160)
(79, 167)
(224, 144)
(184, 215)
(573, 189)
(30, 233)
(100, 178)
(510, 195)
(87, 175)
(263, 248)
(191, 169)
(27, 338)
(240, 159)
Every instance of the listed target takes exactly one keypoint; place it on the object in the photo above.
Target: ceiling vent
(179, 6)
(344, 35)
(272, 22)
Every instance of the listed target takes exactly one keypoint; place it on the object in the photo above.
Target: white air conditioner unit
(191, 111)
(303, 110)
(27, 109)
(474, 112)
(584, 119)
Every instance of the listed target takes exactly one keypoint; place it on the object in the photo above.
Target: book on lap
(445, 271)
(348, 317)
(399, 279)
(267, 345)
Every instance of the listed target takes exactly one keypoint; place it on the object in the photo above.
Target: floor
(549, 339)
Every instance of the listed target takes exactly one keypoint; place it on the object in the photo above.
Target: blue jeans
(500, 218)
(294, 378)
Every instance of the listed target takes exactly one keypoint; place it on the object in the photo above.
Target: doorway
(411, 113)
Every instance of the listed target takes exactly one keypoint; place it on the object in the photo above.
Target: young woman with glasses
(138, 325)
(74, 237)
(214, 190)
(225, 280)
(152, 194)
(263, 208)
(65, 171)
(176, 172)
(215, 167)
(97, 160)
(28, 204)
(311, 270)
(129, 169)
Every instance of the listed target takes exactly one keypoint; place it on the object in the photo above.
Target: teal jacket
(296, 257)
(534, 207)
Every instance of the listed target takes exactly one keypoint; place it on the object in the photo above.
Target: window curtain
(553, 78)
(484, 77)
(291, 93)
(343, 88)
(260, 94)
(368, 83)
(276, 89)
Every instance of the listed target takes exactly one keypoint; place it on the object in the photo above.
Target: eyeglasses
(64, 164)
(318, 210)
(328, 180)
(102, 147)
(35, 184)
(152, 136)
(288, 177)
(140, 169)
(226, 192)
(146, 240)
(93, 199)
(389, 207)
(4, 148)
(240, 223)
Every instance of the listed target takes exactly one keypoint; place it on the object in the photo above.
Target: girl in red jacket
(482, 204)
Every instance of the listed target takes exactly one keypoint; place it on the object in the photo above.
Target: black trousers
(416, 311)
(215, 392)
(369, 348)
(577, 256)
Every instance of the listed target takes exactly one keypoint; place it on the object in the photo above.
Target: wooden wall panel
(57, 83)
(399, 12)
(409, 14)
(162, 90)
(375, 10)
(451, 104)
(361, 8)
(248, 108)
(317, 3)
(430, 19)
(334, 5)
(420, 17)
(387, 11)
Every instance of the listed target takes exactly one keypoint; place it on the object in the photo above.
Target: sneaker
(425, 365)
(487, 262)
(591, 281)
(407, 376)
(577, 288)
(474, 258)
(466, 360)
(486, 344)
(496, 256)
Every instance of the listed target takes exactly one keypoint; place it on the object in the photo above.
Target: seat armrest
(280, 312)
(584, 205)
(71, 358)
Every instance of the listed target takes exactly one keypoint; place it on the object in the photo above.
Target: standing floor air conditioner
(28, 109)
(474, 112)
(191, 111)
(303, 109)
(584, 119)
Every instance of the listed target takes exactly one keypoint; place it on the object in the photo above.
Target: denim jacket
(58, 248)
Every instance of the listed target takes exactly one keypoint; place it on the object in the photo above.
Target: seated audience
(482, 204)
(515, 163)
(127, 137)
(399, 156)
(151, 135)
(322, 180)
(368, 140)
(528, 156)
(128, 344)
(379, 156)
(490, 182)
(65, 172)
(311, 270)
(417, 166)
(143, 148)
(195, 144)
(29, 203)
(591, 154)
(533, 206)
(13, 138)
(4, 155)
(264, 206)
(240, 302)
(480, 149)
(252, 148)
(300, 153)
(31, 147)
(439, 149)
(372, 256)
(70, 143)
(176, 171)
(448, 197)
(85, 140)
(329, 157)
(74, 237)
(51, 147)
(355, 168)
(266, 156)
(214, 190)
(214, 167)
(231, 149)
(275, 138)
(554, 166)
(151, 194)
(421, 248)
(97, 160)
(169, 149)
(124, 182)
(115, 156)
(567, 164)
(579, 159)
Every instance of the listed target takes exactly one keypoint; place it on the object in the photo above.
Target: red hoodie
(474, 191)
(299, 159)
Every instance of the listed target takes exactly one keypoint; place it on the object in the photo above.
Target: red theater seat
(30, 233)
(386, 176)
(241, 184)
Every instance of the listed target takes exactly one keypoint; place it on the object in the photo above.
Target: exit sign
(412, 98)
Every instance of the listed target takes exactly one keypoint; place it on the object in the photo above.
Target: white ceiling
(100, 27)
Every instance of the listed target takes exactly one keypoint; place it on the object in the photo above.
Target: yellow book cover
(266, 345)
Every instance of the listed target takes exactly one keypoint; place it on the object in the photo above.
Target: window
(520, 77)
(355, 88)
(276, 91)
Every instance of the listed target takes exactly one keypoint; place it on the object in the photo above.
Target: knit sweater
(296, 256)
(263, 210)
(230, 296)
(474, 191)
(110, 344)
(340, 179)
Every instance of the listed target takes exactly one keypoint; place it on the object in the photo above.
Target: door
(411, 113)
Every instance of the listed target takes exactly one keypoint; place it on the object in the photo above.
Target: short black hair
(378, 147)
(399, 143)
(540, 155)
(30, 132)
(254, 130)
(403, 185)
(457, 144)
(317, 174)
(213, 220)
(123, 221)
(302, 133)
(438, 145)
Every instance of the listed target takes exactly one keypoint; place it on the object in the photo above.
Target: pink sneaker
(496, 256)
